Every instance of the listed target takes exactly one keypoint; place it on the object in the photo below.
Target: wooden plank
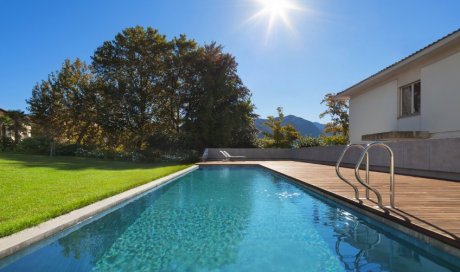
(428, 205)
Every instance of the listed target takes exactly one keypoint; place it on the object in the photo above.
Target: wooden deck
(426, 205)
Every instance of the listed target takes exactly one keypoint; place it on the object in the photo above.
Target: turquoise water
(229, 219)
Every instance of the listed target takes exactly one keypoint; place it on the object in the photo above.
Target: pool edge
(27, 237)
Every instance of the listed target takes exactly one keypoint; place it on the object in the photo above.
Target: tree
(219, 111)
(46, 109)
(337, 110)
(63, 107)
(5, 123)
(180, 76)
(76, 82)
(17, 124)
(144, 93)
(280, 136)
(132, 66)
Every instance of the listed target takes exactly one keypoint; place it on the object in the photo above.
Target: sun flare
(276, 7)
(276, 10)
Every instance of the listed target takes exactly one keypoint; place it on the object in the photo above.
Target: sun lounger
(228, 157)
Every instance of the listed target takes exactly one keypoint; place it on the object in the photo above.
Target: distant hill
(305, 127)
(319, 126)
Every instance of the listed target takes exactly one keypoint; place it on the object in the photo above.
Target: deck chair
(226, 158)
(230, 157)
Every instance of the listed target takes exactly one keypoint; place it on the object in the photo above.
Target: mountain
(319, 126)
(305, 127)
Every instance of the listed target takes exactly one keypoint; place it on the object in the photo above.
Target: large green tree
(63, 107)
(133, 68)
(172, 91)
(220, 112)
(179, 81)
(79, 112)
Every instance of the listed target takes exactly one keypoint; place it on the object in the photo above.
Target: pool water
(229, 219)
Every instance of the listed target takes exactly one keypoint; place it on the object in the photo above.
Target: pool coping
(27, 237)
(431, 238)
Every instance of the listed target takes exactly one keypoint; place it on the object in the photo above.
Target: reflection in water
(359, 236)
(361, 246)
(228, 219)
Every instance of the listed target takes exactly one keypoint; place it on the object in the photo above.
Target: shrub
(41, 146)
(334, 140)
(6, 144)
(307, 142)
(66, 149)
(144, 156)
(82, 152)
(34, 145)
(180, 156)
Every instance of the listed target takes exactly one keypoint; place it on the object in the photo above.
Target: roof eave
(400, 65)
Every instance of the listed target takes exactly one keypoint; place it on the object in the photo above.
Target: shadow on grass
(74, 163)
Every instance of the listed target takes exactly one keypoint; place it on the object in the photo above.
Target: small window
(410, 99)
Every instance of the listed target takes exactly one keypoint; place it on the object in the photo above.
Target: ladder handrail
(337, 170)
(392, 174)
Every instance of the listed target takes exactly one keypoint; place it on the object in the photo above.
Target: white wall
(440, 97)
(374, 111)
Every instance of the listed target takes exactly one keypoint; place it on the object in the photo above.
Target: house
(417, 97)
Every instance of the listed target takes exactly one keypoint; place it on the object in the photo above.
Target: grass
(34, 189)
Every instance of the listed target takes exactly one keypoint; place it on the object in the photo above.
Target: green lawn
(34, 189)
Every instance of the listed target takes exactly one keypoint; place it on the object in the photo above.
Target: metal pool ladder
(337, 170)
(366, 183)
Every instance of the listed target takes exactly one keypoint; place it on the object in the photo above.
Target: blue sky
(333, 44)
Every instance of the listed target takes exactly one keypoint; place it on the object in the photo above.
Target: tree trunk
(16, 136)
(52, 148)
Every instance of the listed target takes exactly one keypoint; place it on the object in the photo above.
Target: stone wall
(437, 158)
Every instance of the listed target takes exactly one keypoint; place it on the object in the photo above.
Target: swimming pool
(229, 219)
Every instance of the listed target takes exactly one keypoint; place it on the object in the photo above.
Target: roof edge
(432, 47)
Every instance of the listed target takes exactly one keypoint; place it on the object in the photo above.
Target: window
(410, 99)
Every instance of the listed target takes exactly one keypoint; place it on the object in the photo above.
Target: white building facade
(415, 98)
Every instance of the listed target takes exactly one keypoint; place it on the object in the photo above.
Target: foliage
(307, 142)
(18, 124)
(280, 136)
(38, 188)
(6, 144)
(146, 94)
(63, 107)
(154, 156)
(219, 109)
(34, 145)
(337, 110)
(5, 141)
(14, 121)
(334, 140)
(132, 69)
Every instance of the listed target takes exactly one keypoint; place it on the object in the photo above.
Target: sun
(276, 10)
(276, 7)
